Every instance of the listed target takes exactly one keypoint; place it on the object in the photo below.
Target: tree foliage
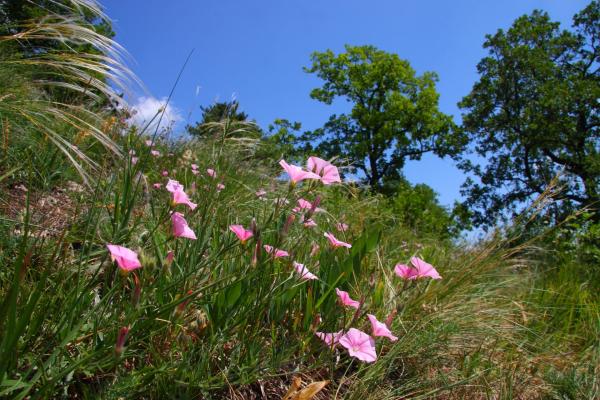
(394, 115)
(219, 113)
(534, 113)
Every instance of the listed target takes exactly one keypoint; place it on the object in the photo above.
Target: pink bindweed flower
(303, 205)
(405, 272)
(165, 173)
(341, 227)
(420, 269)
(328, 173)
(346, 300)
(380, 329)
(220, 187)
(309, 223)
(304, 273)
(149, 143)
(126, 259)
(359, 345)
(179, 196)
(296, 173)
(261, 193)
(211, 172)
(335, 243)
(173, 186)
(277, 253)
(180, 226)
(157, 185)
(134, 160)
(241, 233)
(155, 153)
(169, 258)
(306, 205)
(424, 269)
(121, 339)
(194, 166)
(331, 339)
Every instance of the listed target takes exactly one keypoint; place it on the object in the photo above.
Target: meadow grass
(510, 318)
(223, 320)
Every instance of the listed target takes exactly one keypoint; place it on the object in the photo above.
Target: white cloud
(146, 108)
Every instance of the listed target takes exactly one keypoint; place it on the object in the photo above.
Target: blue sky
(255, 51)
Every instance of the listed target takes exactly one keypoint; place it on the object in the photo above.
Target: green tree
(417, 207)
(216, 115)
(534, 113)
(394, 115)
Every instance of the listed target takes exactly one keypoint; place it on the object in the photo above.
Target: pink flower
(309, 223)
(424, 269)
(306, 205)
(359, 345)
(331, 339)
(296, 173)
(380, 329)
(328, 172)
(180, 226)
(173, 186)
(405, 272)
(211, 172)
(261, 193)
(134, 160)
(194, 166)
(149, 143)
(155, 153)
(304, 273)
(421, 270)
(277, 252)
(169, 258)
(157, 185)
(195, 172)
(341, 227)
(303, 205)
(220, 187)
(179, 196)
(126, 259)
(241, 233)
(335, 242)
(165, 173)
(121, 339)
(132, 152)
(346, 300)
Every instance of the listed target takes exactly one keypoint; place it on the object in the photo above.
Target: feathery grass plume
(88, 81)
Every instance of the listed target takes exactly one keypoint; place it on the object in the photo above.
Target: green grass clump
(222, 316)
(224, 319)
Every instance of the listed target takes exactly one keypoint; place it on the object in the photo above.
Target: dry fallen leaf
(296, 383)
(305, 394)
(311, 390)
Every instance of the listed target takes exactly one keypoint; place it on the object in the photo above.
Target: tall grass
(89, 82)
(225, 319)
(220, 318)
